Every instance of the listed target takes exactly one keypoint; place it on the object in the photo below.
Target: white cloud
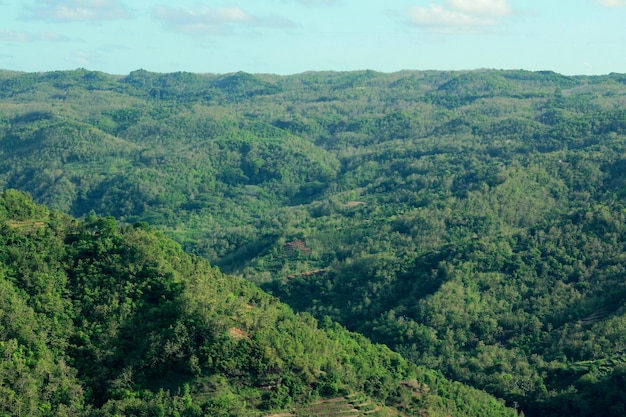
(78, 10)
(82, 58)
(19, 37)
(314, 2)
(51, 36)
(14, 36)
(204, 20)
(612, 3)
(442, 17)
(460, 15)
(481, 7)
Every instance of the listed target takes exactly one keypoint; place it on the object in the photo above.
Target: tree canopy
(100, 319)
(472, 221)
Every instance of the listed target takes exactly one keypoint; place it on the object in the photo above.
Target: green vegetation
(99, 319)
(471, 221)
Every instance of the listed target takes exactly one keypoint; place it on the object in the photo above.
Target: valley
(471, 221)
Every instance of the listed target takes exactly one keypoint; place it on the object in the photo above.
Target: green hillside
(98, 319)
(471, 221)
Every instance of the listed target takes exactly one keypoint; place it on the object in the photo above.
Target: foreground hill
(472, 221)
(100, 320)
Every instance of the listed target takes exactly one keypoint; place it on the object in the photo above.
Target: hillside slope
(472, 221)
(102, 320)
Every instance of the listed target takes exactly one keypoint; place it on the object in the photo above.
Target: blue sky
(292, 36)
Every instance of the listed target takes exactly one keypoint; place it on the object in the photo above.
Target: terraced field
(355, 405)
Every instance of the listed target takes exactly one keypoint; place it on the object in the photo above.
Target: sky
(571, 37)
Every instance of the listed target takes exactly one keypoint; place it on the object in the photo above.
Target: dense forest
(474, 222)
(98, 319)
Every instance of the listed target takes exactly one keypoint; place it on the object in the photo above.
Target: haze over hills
(472, 221)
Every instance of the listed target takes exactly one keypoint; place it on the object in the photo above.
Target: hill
(102, 320)
(472, 221)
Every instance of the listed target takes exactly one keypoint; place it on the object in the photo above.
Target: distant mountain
(472, 221)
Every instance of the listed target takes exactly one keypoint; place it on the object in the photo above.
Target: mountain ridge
(470, 220)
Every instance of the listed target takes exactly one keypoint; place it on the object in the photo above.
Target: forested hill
(101, 320)
(472, 221)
